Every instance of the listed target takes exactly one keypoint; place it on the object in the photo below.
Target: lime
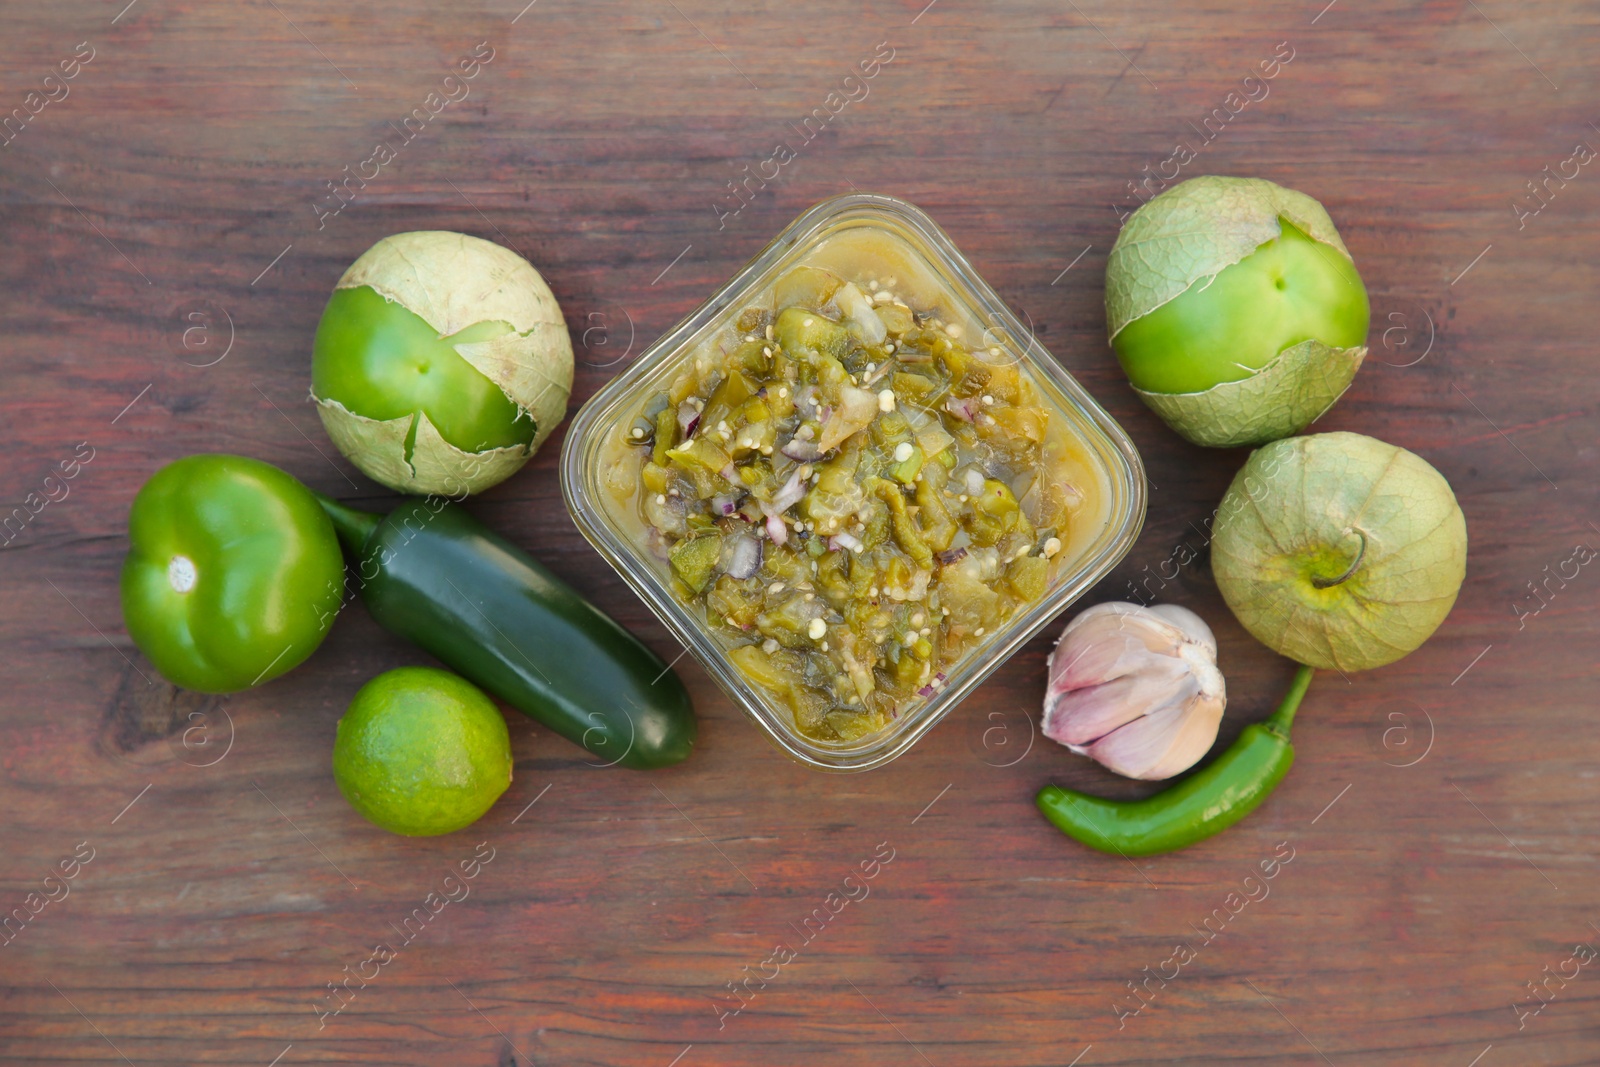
(422, 752)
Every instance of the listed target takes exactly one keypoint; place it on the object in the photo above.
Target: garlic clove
(1081, 715)
(1163, 743)
(1108, 642)
(1093, 656)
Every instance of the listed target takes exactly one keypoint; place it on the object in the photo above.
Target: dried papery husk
(378, 447)
(1285, 396)
(1196, 230)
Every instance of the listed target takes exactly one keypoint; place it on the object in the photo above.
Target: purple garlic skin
(1136, 689)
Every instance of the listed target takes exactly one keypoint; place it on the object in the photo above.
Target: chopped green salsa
(853, 495)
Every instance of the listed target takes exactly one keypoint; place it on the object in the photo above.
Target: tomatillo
(441, 363)
(233, 573)
(1338, 550)
(1235, 309)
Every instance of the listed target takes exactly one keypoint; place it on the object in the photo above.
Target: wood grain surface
(168, 244)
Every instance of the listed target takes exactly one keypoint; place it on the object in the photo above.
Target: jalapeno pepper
(433, 574)
(1203, 804)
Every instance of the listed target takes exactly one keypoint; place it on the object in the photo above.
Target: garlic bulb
(1136, 689)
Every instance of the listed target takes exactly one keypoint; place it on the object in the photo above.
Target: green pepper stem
(1283, 718)
(352, 526)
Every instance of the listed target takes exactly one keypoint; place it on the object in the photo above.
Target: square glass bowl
(861, 237)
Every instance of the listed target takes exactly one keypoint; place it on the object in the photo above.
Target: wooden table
(169, 241)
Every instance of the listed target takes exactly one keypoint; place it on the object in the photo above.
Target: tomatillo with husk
(1235, 309)
(233, 574)
(441, 363)
(1338, 550)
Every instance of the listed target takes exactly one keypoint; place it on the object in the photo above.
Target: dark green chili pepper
(433, 574)
(1205, 803)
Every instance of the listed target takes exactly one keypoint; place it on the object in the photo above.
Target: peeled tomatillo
(381, 360)
(233, 573)
(1235, 309)
(1287, 291)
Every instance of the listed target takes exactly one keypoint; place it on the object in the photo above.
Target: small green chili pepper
(1205, 803)
(906, 533)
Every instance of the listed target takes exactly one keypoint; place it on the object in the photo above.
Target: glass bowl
(846, 234)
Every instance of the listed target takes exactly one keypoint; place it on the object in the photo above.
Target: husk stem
(1355, 564)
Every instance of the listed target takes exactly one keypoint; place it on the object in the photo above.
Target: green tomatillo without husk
(1338, 550)
(441, 363)
(233, 573)
(1235, 309)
